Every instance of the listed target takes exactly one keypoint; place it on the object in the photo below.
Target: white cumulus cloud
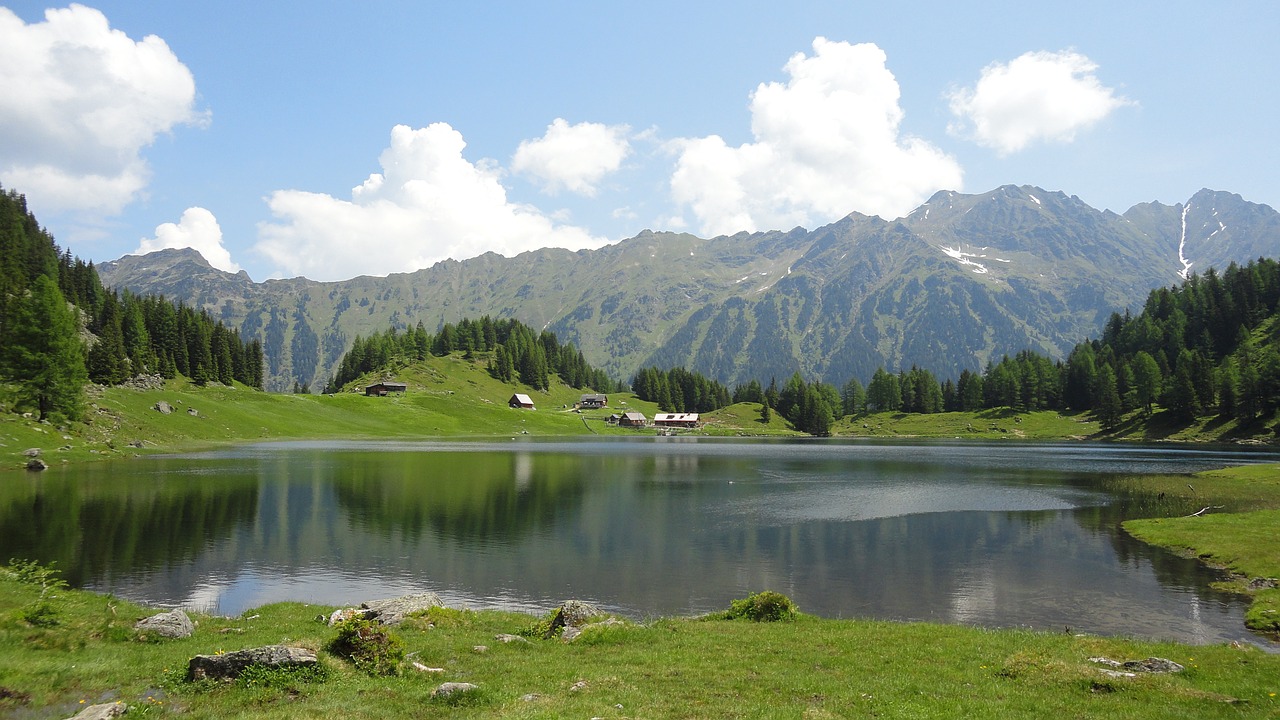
(78, 103)
(826, 142)
(573, 157)
(428, 204)
(197, 229)
(1038, 96)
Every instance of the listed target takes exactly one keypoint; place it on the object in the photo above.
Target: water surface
(991, 534)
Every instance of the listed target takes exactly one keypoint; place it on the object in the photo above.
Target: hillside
(447, 397)
(959, 281)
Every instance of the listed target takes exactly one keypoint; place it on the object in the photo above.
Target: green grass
(668, 668)
(997, 424)
(743, 419)
(1236, 531)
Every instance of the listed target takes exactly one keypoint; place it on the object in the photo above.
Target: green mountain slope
(961, 280)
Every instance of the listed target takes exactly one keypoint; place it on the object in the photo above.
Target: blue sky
(332, 139)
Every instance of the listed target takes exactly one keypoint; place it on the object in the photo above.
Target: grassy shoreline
(85, 651)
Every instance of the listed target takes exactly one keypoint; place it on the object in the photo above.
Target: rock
(31, 452)
(172, 624)
(572, 633)
(508, 638)
(578, 686)
(530, 697)
(1153, 665)
(228, 666)
(424, 669)
(193, 412)
(163, 407)
(1150, 665)
(571, 614)
(345, 614)
(453, 688)
(102, 711)
(391, 611)
(36, 465)
(480, 649)
(145, 382)
(1261, 583)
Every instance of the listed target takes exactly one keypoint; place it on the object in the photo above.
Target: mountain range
(961, 280)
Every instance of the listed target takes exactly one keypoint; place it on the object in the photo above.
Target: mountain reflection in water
(988, 534)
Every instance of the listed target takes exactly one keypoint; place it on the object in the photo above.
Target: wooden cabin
(382, 389)
(521, 401)
(632, 419)
(593, 401)
(676, 420)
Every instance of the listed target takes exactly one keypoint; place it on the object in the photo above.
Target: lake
(990, 534)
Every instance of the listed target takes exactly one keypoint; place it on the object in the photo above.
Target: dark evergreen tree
(42, 354)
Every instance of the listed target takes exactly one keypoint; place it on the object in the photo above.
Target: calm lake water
(994, 534)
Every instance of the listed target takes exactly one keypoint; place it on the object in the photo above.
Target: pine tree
(42, 354)
(108, 364)
(1146, 380)
(1109, 412)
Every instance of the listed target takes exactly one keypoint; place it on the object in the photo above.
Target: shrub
(41, 611)
(766, 606)
(543, 628)
(282, 678)
(368, 646)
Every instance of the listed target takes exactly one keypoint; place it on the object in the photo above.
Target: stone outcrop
(571, 614)
(453, 688)
(228, 666)
(573, 633)
(172, 624)
(1128, 668)
(391, 611)
(163, 407)
(102, 711)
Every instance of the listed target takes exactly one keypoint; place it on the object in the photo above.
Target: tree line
(1206, 346)
(516, 352)
(60, 328)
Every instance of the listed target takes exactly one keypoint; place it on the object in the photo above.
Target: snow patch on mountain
(964, 258)
(1182, 245)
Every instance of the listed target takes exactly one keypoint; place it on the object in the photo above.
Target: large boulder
(228, 666)
(391, 611)
(172, 624)
(163, 407)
